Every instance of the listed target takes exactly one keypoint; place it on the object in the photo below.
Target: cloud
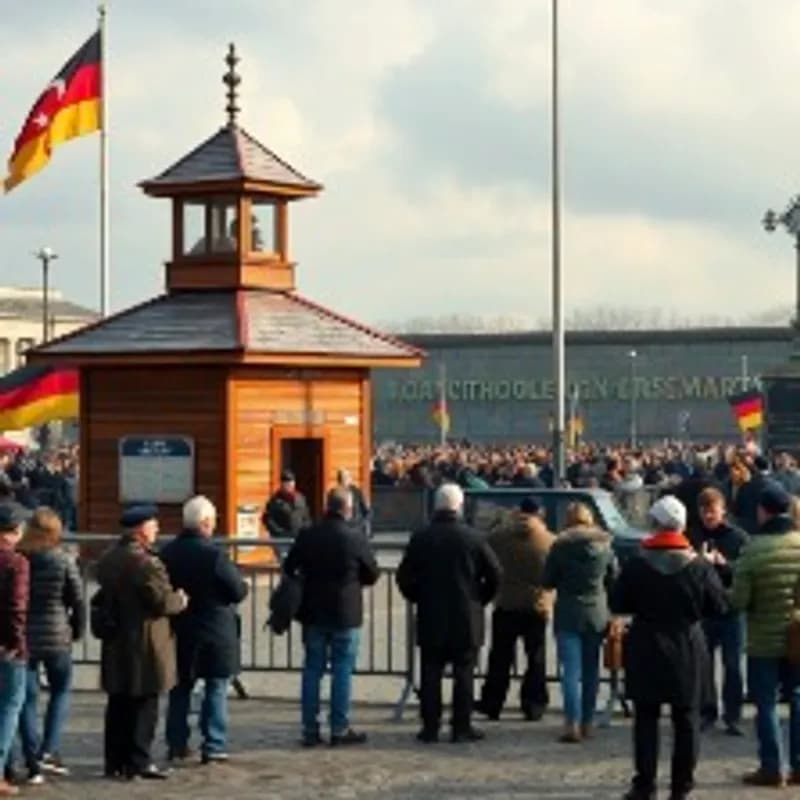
(428, 123)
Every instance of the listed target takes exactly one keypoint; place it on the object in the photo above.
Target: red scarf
(666, 540)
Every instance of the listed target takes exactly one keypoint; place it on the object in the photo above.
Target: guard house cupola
(230, 208)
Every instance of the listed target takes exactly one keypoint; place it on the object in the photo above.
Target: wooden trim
(322, 359)
(245, 228)
(205, 188)
(366, 436)
(84, 439)
(231, 431)
(177, 229)
(282, 230)
(223, 357)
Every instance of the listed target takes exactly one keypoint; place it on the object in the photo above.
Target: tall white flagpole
(559, 376)
(105, 257)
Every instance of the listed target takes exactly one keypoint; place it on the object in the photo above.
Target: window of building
(224, 221)
(210, 226)
(194, 228)
(262, 230)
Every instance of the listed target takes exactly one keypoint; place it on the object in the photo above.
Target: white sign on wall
(156, 469)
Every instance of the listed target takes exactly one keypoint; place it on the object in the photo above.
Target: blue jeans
(579, 654)
(340, 648)
(727, 634)
(58, 669)
(764, 678)
(12, 696)
(213, 716)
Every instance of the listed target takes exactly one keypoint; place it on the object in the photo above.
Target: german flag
(441, 416)
(748, 408)
(34, 395)
(69, 106)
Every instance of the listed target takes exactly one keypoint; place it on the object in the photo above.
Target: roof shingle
(232, 154)
(254, 320)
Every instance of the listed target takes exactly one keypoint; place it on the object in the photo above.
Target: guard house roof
(271, 326)
(231, 156)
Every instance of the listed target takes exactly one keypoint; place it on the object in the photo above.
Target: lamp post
(46, 255)
(789, 219)
(632, 355)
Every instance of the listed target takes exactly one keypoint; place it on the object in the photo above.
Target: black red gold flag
(70, 106)
(748, 408)
(34, 395)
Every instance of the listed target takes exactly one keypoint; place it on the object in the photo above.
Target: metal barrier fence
(388, 646)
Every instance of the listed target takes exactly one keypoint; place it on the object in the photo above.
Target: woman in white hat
(668, 591)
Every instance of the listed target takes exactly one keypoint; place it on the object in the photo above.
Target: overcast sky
(428, 123)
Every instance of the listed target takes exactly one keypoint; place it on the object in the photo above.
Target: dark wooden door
(304, 458)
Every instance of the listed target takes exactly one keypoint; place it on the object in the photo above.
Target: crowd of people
(720, 570)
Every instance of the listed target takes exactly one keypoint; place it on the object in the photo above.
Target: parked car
(483, 508)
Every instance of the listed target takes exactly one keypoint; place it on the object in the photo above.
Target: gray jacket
(57, 612)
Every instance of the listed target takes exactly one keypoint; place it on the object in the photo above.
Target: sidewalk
(518, 760)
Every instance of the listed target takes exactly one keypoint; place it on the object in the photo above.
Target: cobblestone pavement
(518, 760)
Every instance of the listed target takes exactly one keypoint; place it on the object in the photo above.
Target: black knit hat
(774, 498)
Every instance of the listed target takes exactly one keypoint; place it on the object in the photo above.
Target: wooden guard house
(230, 376)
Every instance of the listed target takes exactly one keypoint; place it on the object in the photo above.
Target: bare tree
(591, 318)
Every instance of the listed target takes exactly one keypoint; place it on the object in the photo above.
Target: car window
(614, 519)
(486, 512)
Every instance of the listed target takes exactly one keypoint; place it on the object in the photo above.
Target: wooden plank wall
(153, 400)
(334, 400)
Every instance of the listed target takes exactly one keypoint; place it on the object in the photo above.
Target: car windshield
(613, 517)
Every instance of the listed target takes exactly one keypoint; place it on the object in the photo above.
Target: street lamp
(632, 355)
(46, 255)
(789, 219)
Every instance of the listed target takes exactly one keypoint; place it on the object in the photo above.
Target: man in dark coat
(450, 573)
(335, 562)
(138, 660)
(669, 591)
(286, 512)
(715, 538)
(207, 633)
(745, 506)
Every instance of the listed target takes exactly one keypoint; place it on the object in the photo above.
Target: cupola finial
(232, 80)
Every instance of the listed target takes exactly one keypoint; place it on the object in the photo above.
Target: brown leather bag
(614, 645)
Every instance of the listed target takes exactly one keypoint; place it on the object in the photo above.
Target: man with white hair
(207, 634)
(361, 511)
(450, 573)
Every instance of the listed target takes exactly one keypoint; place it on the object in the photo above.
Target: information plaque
(156, 469)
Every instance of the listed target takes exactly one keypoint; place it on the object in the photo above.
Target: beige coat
(140, 659)
(521, 546)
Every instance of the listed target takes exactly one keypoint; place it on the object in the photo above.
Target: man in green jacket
(764, 584)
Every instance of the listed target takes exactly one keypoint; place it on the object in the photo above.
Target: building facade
(22, 323)
(499, 388)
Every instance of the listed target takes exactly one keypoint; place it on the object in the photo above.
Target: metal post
(105, 256)
(632, 355)
(745, 373)
(46, 255)
(559, 370)
(444, 412)
(45, 298)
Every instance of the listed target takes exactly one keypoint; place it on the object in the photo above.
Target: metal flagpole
(443, 410)
(745, 376)
(105, 257)
(558, 300)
